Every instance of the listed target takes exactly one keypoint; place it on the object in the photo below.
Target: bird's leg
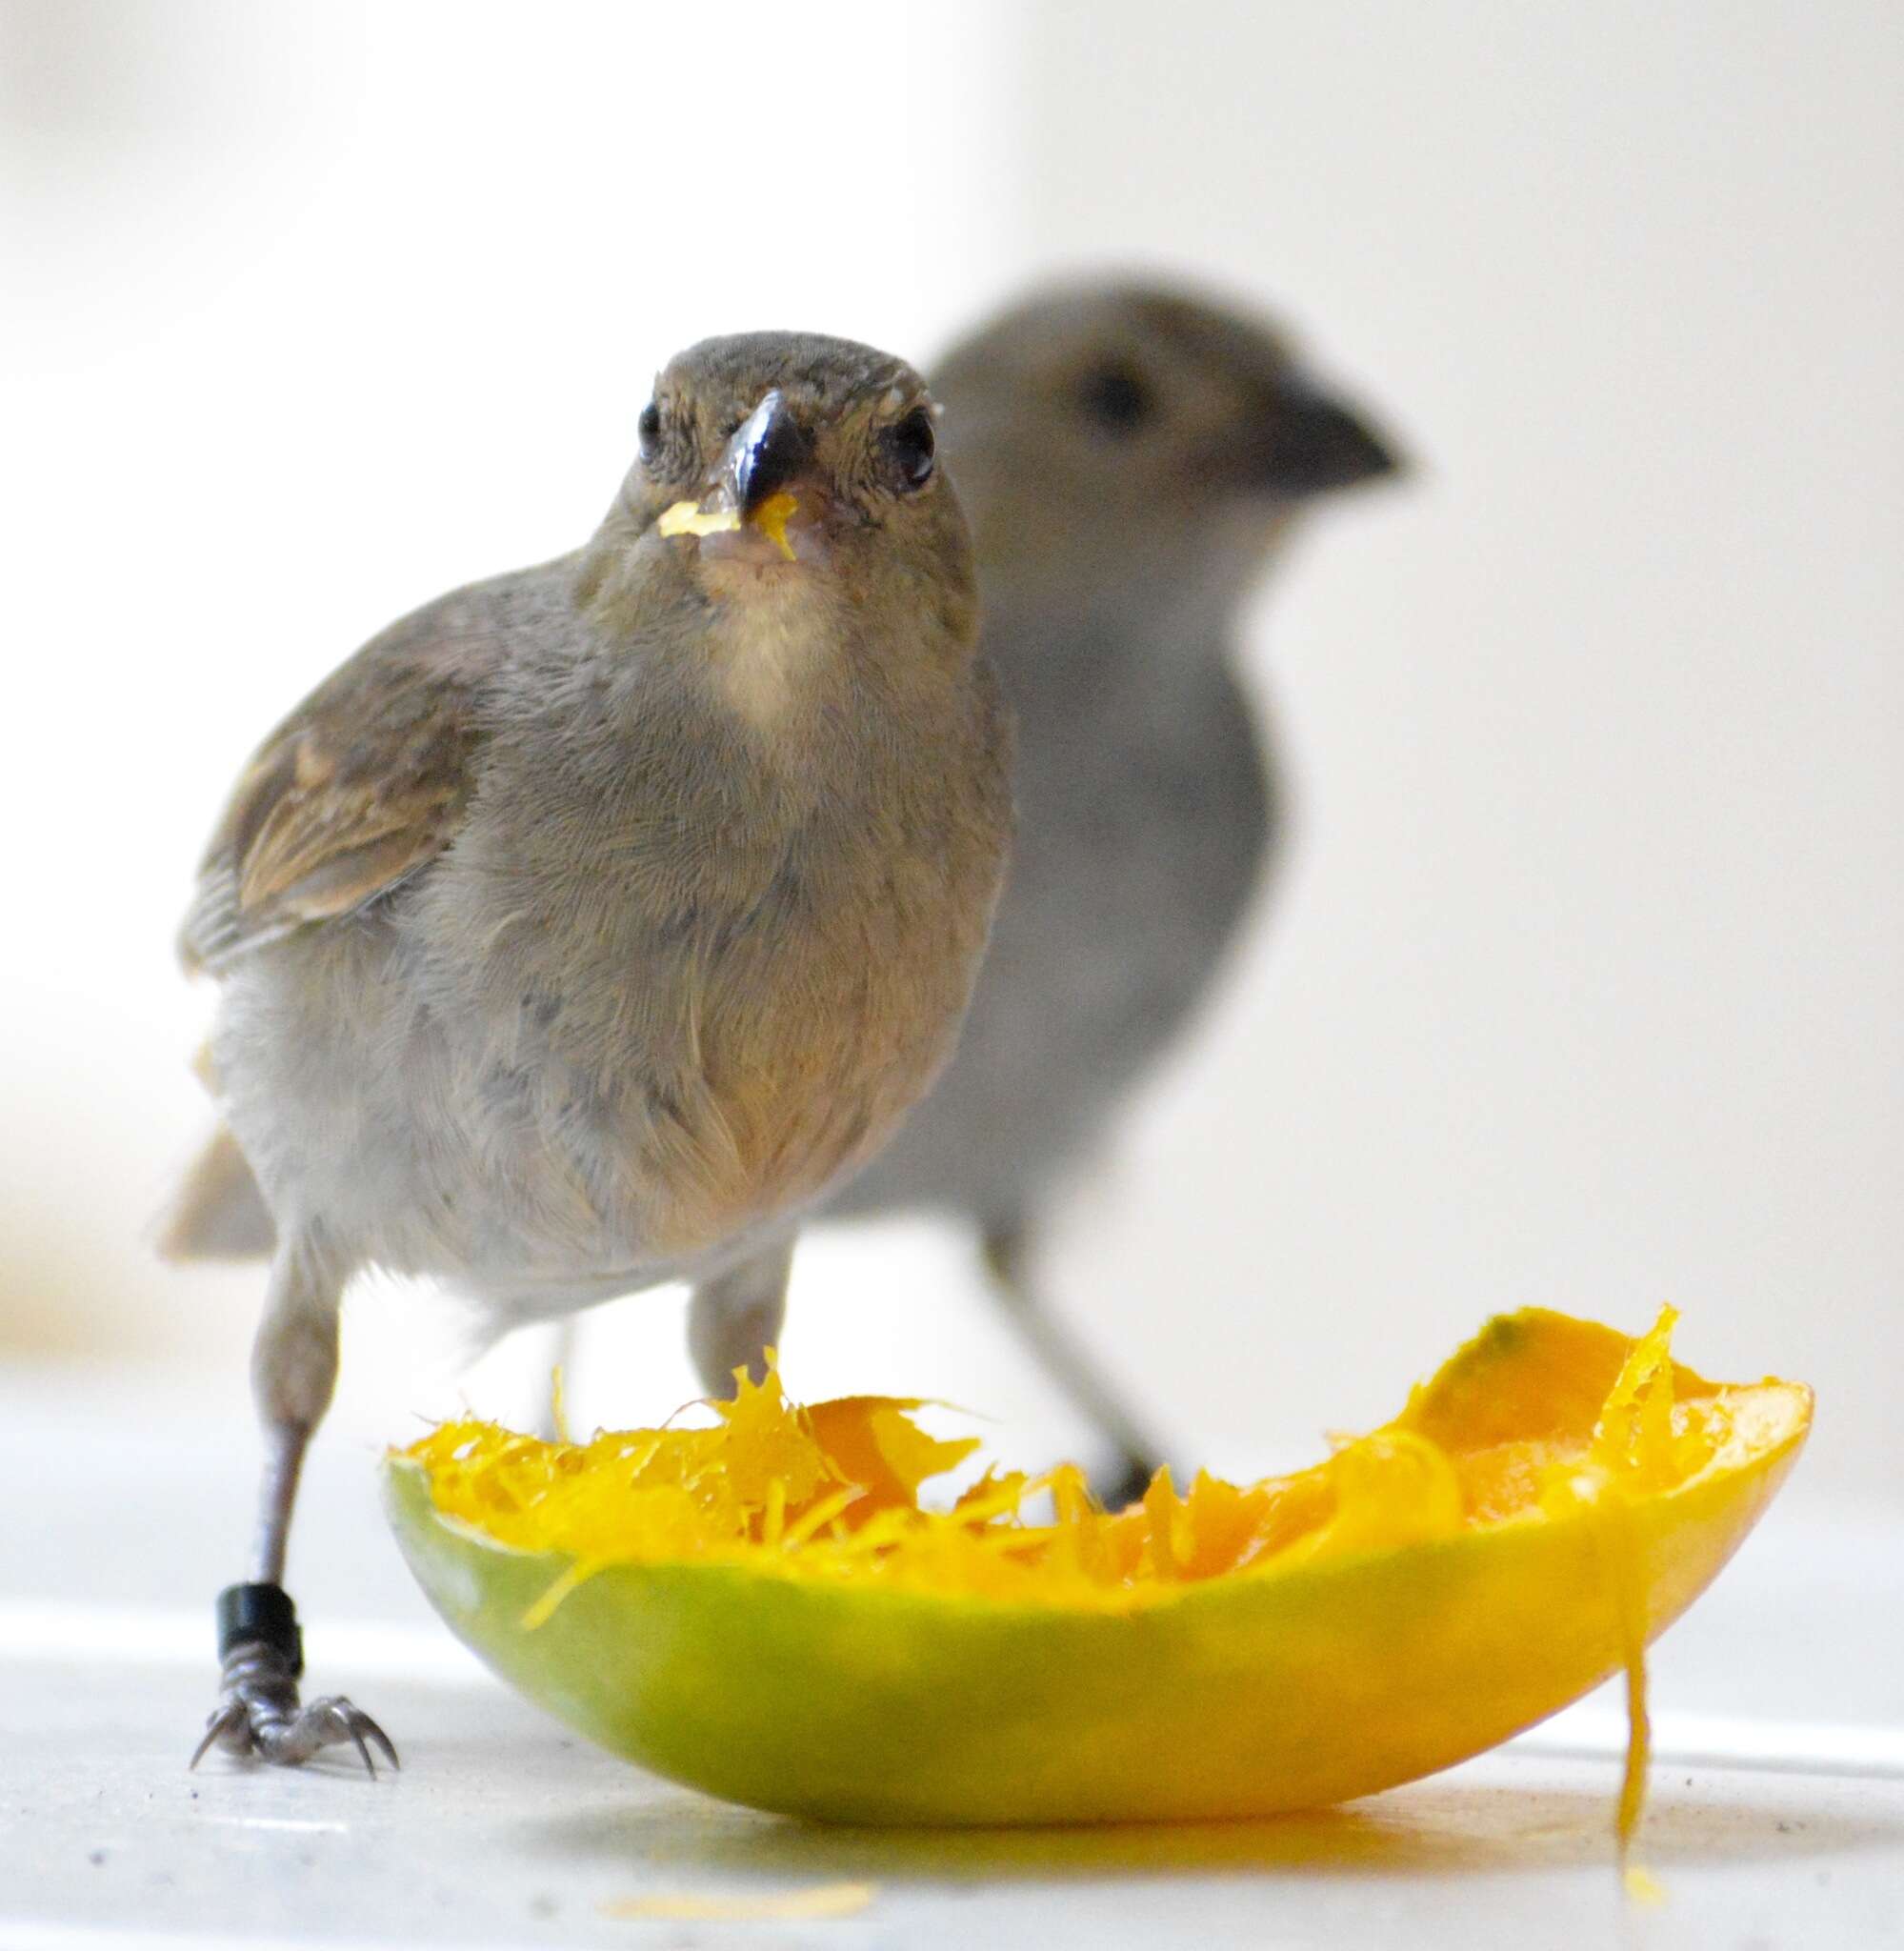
(293, 1371)
(1006, 1252)
(735, 1317)
(559, 1361)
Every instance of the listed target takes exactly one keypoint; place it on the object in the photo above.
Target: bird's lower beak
(1314, 442)
(749, 485)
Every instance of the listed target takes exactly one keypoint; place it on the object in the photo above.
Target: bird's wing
(365, 783)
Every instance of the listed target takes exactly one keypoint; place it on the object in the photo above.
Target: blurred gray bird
(1132, 460)
(590, 923)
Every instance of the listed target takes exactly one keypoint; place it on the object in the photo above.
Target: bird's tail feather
(218, 1211)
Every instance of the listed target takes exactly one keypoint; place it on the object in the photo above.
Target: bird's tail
(218, 1211)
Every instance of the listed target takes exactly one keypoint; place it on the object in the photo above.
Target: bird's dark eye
(913, 443)
(648, 431)
(1115, 399)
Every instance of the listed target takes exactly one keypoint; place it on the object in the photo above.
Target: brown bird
(592, 923)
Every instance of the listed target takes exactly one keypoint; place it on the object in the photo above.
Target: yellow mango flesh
(761, 1609)
(770, 518)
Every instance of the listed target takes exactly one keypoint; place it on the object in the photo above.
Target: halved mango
(761, 1609)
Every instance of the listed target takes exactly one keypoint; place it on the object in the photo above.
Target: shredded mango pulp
(831, 1492)
(770, 518)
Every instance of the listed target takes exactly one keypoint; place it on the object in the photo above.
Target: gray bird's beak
(1314, 443)
(767, 450)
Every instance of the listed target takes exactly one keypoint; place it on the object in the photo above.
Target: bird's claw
(1125, 1483)
(259, 1716)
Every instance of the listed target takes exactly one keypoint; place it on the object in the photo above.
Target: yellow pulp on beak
(690, 518)
(770, 518)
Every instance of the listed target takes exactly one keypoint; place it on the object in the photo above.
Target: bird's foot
(261, 1719)
(1125, 1483)
(258, 1714)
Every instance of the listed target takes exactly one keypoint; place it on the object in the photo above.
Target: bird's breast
(772, 646)
(721, 979)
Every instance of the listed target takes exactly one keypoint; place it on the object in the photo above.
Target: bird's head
(791, 474)
(1114, 437)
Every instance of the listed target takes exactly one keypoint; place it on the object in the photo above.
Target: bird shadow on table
(1427, 1830)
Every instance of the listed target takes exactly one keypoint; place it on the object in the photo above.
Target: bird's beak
(748, 489)
(767, 450)
(1312, 443)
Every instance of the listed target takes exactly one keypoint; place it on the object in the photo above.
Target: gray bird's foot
(258, 1714)
(1125, 1483)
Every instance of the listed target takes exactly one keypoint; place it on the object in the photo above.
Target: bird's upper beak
(1313, 442)
(748, 488)
(767, 450)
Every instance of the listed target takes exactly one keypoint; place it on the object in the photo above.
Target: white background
(1586, 986)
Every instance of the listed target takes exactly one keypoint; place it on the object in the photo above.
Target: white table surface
(1776, 1819)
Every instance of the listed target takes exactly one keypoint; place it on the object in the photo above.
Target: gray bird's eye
(648, 431)
(1115, 399)
(913, 444)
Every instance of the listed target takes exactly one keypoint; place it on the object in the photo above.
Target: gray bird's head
(1122, 442)
(787, 473)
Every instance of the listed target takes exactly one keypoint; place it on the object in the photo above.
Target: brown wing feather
(362, 785)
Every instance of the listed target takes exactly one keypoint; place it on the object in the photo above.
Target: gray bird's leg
(293, 1372)
(558, 1359)
(1006, 1251)
(735, 1317)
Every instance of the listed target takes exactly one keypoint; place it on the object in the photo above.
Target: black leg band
(260, 1615)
